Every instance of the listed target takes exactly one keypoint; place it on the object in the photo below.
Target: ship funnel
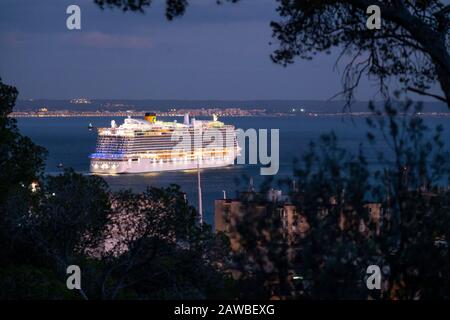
(150, 117)
(186, 119)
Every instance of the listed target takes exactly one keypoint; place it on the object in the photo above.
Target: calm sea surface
(69, 141)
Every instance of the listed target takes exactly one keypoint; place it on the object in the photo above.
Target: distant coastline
(90, 107)
(86, 114)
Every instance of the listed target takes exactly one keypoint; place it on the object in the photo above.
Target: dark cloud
(213, 52)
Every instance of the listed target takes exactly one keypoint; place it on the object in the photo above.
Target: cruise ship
(150, 145)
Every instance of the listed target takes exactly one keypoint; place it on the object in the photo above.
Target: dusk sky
(213, 52)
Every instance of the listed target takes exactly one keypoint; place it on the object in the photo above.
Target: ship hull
(140, 146)
(147, 165)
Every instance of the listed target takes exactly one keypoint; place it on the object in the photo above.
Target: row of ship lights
(154, 162)
(186, 121)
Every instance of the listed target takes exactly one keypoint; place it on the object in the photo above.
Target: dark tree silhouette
(155, 247)
(21, 164)
(21, 161)
(349, 215)
(127, 245)
(22, 273)
(174, 8)
(412, 44)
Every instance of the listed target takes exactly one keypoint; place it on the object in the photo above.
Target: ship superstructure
(150, 145)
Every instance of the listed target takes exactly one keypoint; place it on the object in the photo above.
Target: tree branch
(424, 93)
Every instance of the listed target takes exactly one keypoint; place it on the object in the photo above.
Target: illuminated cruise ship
(149, 145)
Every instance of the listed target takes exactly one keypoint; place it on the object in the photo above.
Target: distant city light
(34, 186)
(80, 101)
